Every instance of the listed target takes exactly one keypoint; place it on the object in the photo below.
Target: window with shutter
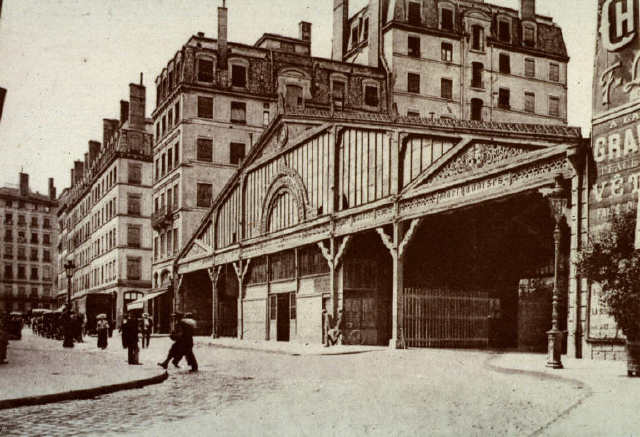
(554, 106)
(238, 76)
(205, 107)
(205, 70)
(446, 19)
(529, 102)
(505, 63)
(133, 235)
(413, 83)
(133, 204)
(133, 268)
(446, 89)
(413, 45)
(205, 150)
(135, 173)
(238, 112)
(529, 67)
(204, 195)
(236, 153)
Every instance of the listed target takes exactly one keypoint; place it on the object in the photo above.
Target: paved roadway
(434, 392)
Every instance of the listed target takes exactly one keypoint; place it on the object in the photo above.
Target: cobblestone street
(387, 392)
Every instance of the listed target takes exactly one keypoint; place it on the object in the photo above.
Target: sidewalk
(41, 371)
(284, 347)
(610, 402)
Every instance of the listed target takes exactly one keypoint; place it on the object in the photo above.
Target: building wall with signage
(614, 167)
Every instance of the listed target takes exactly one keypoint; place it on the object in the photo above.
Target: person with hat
(146, 327)
(102, 326)
(187, 326)
(175, 351)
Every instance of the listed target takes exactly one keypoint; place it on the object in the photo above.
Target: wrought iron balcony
(162, 217)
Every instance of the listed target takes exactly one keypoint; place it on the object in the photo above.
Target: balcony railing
(162, 217)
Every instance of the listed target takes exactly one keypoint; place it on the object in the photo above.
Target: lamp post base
(554, 352)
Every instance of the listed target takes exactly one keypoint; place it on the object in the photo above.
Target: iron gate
(446, 318)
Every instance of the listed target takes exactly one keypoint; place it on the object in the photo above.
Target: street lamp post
(68, 333)
(558, 202)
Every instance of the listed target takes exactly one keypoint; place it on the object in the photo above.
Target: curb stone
(81, 393)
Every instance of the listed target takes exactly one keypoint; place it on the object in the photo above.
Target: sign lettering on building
(617, 64)
(615, 178)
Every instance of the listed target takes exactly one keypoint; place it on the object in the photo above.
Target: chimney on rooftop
(374, 33)
(94, 150)
(24, 184)
(528, 9)
(223, 49)
(73, 178)
(52, 189)
(108, 129)
(78, 170)
(304, 31)
(340, 30)
(124, 111)
(86, 162)
(137, 99)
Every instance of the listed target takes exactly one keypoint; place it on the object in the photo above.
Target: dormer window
(205, 70)
(477, 38)
(504, 30)
(529, 35)
(415, 15)
(239, 74)
(446, 19)
(371, 95)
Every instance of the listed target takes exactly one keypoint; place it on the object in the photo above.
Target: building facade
(105, 216)
(420, 228)
(463, 59)
(28, 230)
(214, 100)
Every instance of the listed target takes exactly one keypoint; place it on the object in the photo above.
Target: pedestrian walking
(187, 325)
(4, 339)
(77, 327)
(103, 331)
(146, 330)
(130, 339)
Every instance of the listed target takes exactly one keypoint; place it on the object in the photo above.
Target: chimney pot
(52, 189)
(528, 9)
(340, 29)
(24, 184)
(137, 106)
(124, 111)
(223, 48)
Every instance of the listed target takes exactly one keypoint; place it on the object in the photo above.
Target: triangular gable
(468, 157)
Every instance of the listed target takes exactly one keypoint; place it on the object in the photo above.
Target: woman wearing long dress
(103, 333)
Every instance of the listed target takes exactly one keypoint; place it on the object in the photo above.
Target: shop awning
(138, 304)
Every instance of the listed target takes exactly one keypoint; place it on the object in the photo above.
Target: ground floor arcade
(475, 276)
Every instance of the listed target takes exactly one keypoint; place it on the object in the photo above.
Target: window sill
(478, 51)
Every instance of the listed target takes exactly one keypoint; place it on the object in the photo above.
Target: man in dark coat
(187, 325)
(130, 339)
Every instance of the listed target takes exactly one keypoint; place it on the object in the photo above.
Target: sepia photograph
(320, 218)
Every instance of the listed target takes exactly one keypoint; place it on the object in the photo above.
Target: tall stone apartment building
(463, 59)
(214, 99)
(105, 216)
(28, 232)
